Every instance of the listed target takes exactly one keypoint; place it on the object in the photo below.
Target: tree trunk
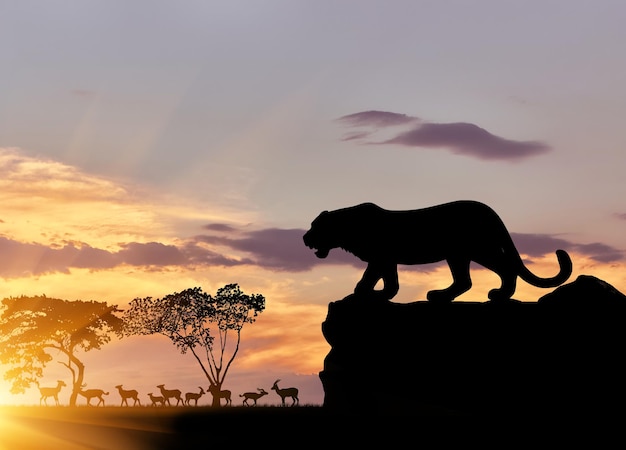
(215, 390)
(78, 383)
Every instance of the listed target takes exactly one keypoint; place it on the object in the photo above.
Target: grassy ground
(165, 428)
(306, 427)
(139, 428)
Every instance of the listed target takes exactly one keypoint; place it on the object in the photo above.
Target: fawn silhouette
(156, 400)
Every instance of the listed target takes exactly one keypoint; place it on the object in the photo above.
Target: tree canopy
(199, 323)
(33, 327)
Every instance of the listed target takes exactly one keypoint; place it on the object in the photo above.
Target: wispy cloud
(599, 252)
(273, 249)
(356, 136)
(544, 244)
(276, 249)
(219, 227)
(375, 118)
(22, 259)
(460, 137)
(468, 139)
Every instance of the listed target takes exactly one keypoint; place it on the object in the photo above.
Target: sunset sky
(150, 146)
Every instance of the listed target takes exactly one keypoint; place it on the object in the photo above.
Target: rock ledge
(561, 354)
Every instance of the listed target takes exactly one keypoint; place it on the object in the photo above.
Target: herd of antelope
(168, 396)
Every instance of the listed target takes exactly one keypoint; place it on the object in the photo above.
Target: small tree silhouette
(187, 319)
(33, 327)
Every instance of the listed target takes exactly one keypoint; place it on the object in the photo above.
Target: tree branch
(232, 358)
(211, 380)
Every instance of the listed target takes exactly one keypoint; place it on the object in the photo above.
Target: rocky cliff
(560, 355)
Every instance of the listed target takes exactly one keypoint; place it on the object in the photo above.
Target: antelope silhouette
(171, 393)
(252, 396)
(287, 392)
(51, 392)
(194, 396)
(126, 394)
(92, 393)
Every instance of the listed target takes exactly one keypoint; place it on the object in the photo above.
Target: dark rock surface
(559, 355)
(586, 289)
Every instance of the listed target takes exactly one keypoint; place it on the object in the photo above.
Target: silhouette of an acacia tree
(187, 318)
(31, 328)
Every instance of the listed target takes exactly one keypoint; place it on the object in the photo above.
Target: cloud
(599, 252)
(272, 249)
(539, 244)
(151, 254)
(543, 244)
(34, 259)
(278, 249)
(51, 180)
(359, 135)
(219, 227)
(376, 119)
(460, 138)
(621, 216)
(468, 139)
(24, 259)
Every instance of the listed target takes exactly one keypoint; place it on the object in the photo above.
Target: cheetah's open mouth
(319, 252)
(322, 252)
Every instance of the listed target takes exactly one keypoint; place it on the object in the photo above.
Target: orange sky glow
(147, 148)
